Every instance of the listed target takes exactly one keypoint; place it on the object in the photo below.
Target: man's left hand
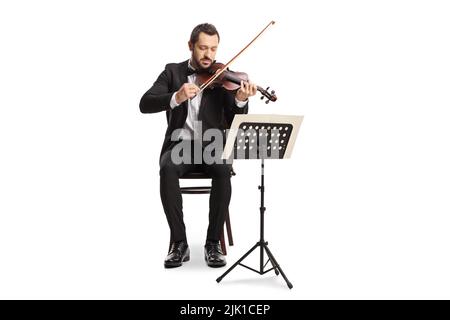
(246, 90)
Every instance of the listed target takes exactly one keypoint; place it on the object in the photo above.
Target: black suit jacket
(217, 108)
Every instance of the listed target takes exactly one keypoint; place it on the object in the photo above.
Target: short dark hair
(207, 28)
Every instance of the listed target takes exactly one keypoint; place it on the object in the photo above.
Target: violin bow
(220, 71)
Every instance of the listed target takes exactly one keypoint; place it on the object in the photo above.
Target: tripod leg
(272, 258)
(274, 266)
(271, 261)
(237, 262)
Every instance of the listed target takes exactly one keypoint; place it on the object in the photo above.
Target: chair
(207, 190)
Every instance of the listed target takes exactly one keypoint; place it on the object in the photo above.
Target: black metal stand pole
(262, 244)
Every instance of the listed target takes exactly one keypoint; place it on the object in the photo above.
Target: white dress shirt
(187, 132)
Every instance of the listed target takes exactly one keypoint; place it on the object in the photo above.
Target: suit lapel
(205, 97)
(182, 72)
(182, 78)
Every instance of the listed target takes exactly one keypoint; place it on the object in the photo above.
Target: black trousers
(172, 201)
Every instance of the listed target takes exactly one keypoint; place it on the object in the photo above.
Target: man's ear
(191, 46)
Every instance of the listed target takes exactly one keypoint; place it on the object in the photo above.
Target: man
(176, 91)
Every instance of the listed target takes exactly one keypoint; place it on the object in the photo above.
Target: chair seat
(196, 190)
(196, 175)
(201, 175)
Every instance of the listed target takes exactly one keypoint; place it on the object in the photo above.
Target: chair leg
(222, 243)
(228, 225)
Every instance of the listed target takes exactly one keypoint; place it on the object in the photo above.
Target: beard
(203, 64)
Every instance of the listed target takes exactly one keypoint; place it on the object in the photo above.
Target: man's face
(204, 50)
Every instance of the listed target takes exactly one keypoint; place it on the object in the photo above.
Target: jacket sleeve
(157, 98)
(231, 108)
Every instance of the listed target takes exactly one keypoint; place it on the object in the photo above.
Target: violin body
(230, 80)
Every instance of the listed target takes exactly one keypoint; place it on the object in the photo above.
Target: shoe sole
(215, 265)
(169, 265)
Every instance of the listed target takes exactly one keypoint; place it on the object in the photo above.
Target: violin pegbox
(269, 96)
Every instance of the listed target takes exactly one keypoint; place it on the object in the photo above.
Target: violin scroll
(265, 94)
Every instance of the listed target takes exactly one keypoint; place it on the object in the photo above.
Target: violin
(218, 73)
(231, 80)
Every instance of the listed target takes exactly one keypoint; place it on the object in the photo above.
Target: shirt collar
(190, 65)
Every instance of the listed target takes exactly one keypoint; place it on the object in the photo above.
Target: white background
(361, 211)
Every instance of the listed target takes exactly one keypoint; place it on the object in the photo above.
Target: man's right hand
(187, 91)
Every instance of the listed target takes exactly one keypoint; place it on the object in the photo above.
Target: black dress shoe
(178, 253)
(213, 254)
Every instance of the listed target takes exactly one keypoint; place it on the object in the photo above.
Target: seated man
(176, 91)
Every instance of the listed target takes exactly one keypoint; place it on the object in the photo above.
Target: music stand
(261, 137)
